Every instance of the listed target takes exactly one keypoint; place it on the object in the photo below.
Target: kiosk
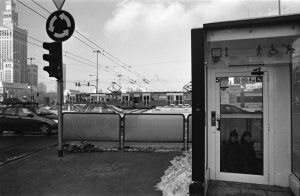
(246, 99)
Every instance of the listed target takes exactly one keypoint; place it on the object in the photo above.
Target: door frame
(214, 135)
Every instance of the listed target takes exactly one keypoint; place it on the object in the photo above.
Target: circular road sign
(60, 25)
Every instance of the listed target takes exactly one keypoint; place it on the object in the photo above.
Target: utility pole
(279, 7)
(97, 79)
(120, 81)
(30, 82)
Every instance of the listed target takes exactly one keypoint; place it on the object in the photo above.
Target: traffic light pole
(59, 111)
(58, 32)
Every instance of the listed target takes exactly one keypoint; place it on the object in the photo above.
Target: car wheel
(45, 129)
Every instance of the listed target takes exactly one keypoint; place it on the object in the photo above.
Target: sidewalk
(86, 174)
(221, 188)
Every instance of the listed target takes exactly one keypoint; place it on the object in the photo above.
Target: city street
(15, 146)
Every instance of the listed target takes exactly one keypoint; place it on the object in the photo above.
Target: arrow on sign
(64, 17)
(60, 35)
(51, 26)
(59, 3)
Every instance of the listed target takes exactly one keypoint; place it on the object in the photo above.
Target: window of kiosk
(241, 129)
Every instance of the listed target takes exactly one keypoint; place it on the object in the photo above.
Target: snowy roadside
(178, 177)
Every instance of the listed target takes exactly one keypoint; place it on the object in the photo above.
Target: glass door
(242, 133)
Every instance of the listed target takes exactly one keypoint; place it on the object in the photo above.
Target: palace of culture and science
(17, 79)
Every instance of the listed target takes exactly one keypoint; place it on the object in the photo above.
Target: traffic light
(88, 84)
(54, 58)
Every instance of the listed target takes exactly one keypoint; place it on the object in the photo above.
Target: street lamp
(31, 94)
(97, 51)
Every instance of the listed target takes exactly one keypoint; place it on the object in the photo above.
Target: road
(15, 146)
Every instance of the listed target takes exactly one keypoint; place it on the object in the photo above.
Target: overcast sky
(150, 37)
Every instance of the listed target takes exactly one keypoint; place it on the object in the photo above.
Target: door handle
(213, 118)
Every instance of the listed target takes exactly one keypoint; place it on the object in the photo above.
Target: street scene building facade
(17, 79)
(246, 80)
(13, 47)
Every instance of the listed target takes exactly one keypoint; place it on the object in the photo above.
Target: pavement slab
(98, 173)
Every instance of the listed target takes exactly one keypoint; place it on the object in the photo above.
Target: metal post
(97, 79)
(59, 111)
(31, 94)
(120, 80)
(279, 7)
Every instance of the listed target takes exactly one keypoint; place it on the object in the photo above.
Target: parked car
(19, 118)
(65, 108)
(11, 101)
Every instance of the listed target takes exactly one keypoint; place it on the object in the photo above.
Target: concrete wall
(281, 126)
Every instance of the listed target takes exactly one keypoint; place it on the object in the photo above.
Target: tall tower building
(32, 75)
(13, 47)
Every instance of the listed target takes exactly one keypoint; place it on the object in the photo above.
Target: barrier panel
(154, 127)
(189, 128)
(91, 126)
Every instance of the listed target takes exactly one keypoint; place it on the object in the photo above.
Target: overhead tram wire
(124, 65)
(21, 33)
(120, 63)
(42, 42)
(112, 72)
(64, 51)
(32, 9)
(41, 6)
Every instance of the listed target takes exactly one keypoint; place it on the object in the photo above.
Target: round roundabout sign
(60, 25)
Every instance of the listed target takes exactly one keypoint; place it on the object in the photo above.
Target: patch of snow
(178, 177)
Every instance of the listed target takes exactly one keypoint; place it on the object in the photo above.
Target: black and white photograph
(150, 97)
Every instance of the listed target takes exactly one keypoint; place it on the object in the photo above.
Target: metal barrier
(154, 127)
(91, 126)
(132, 127)
(189, 130)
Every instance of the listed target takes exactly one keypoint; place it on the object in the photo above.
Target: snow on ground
(178, 177)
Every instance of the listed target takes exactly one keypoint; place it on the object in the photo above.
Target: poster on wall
(224, 82)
